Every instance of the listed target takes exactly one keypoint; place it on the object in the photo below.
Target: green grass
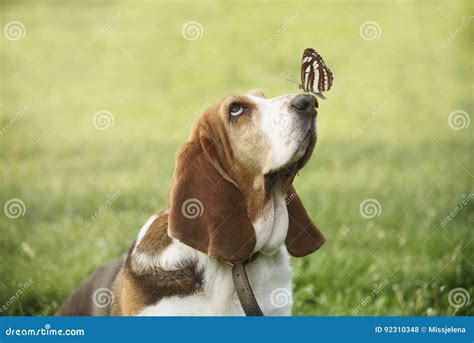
(155, 83)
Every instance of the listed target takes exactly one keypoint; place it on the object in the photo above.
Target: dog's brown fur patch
(138, 287)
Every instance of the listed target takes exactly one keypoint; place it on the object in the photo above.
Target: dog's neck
(272, 225)
(264, 198)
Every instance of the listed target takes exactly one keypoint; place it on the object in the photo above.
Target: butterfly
(316, 78)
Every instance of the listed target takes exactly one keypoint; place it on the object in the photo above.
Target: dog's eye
(236, 110)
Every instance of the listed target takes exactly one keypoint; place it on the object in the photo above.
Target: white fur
(145, 261)
(269, 274)
(144, 230)
(280, 223)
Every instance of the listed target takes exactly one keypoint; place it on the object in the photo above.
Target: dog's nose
(304, 103)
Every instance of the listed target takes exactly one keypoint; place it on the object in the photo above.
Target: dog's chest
(270, 277)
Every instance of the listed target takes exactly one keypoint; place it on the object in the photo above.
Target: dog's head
(242, 155)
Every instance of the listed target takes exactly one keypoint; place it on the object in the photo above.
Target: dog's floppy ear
(207, 210)
(303, 236)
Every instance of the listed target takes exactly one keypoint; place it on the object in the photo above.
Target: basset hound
(231, 197)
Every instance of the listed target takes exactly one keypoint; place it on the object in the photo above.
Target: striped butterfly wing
(315, 76)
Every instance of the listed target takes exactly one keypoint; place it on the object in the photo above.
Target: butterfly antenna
(292, 79)
(319, 95)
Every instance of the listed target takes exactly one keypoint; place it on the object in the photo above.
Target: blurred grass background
(130, 58)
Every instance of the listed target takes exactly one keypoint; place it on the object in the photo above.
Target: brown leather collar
(244, 289)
